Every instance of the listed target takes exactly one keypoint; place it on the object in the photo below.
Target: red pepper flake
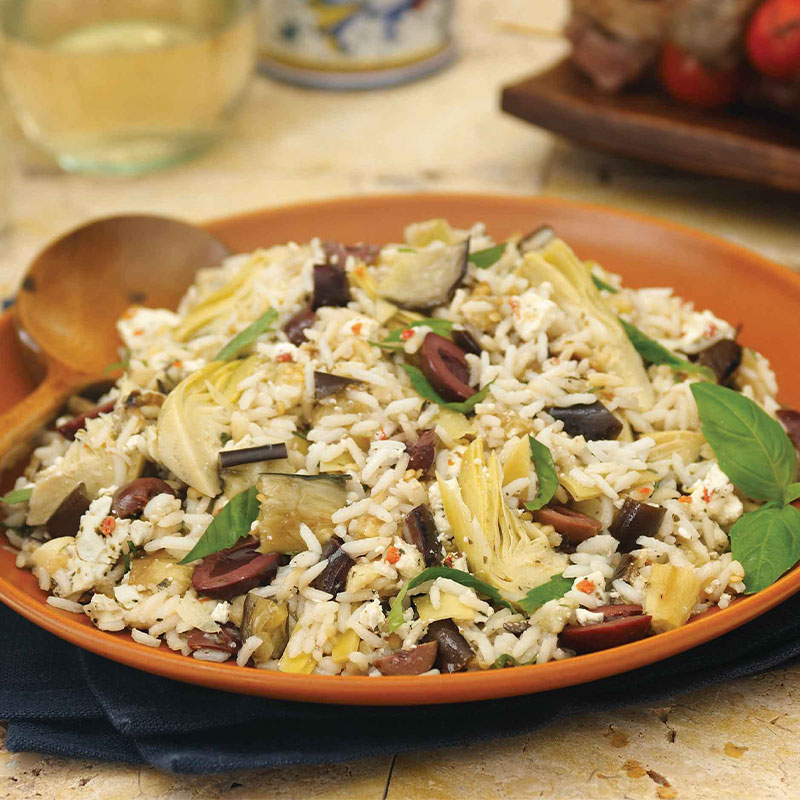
(284, 357)
(685, 499)
(586, 586)
(449, 559)
(357, 329)
(107, 526)
(381, 435)
(707, 495)
(646, 491)
(392, 555)
(177, 363)
(406, 334)
(711, 331)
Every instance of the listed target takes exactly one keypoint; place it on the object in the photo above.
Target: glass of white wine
(125, 86)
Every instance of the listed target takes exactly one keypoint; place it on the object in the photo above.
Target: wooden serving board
(644, 123)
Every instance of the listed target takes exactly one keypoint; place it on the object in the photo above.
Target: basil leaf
(546, 473)
(133, 552)
(654, 353)
(792, 493)
(230, 525)
(394, 619)
(483, 259)
(766, 543)
(394, 341)
(556, 587)
(423, 388)
(248, 335)
(505, 660)
(601, 284)
(752, 448)
(115, 367)
(17, 496)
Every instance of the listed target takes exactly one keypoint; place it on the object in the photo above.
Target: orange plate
(736, 284)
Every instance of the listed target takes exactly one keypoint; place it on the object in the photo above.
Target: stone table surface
(739, 740)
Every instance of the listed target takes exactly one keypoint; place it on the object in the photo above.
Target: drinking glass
(125, 86)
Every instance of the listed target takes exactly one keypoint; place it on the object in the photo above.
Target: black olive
(295, 328)
(421, 454)
(614, 632)
(635, 519)
(445, 366)
(466, 341)
(573, 525)
(420, 530)
(408, 662)
(130, 500)
(72, 426)
(454, 650)
(226, 640)
(330, 286)
(723, 358)
(326, 384)
(334, 577)
(592, 421)
(235, 570)
(337, 253)
(790, 419)
(66, 519)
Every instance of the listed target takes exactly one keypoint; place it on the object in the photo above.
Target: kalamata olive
(420, 530)
(601, 636)
(66, 519)
(790, 419)
(466, 341)
(454, 651)
(72, 426)
(573, 525)
(421, 454)
(593, 421)
(235, 570)
(635, 519)
(723, 357)
(619, 610)
(409, 662)
(334, 577)
(226, 640)
(295, 328)
(445, 366)
(130, 500)
(326, 384)
(517, 626)
(330, 286)
(336, 252)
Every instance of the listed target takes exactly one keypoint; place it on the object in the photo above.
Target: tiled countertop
(445, 133)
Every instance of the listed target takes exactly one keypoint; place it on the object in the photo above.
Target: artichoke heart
(267, 619)
(502, 549)
(573, 289)
(194, 417)
(687, 444)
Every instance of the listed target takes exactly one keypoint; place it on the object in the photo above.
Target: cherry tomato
(773, 39)
(687, 79)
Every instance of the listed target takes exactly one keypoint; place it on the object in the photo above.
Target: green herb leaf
(248, 335)
(654, 353)
(505, 660)
(601, 284)
(395, 617)
(114, 367)
(556, 587)
(406, 250)
(230, 525)
(420, 383)
(766, 543)
(133, 552)
(17, 496)
(792, 493)
(394, 341)
(483, 259)
(752, 448)
(545, 472)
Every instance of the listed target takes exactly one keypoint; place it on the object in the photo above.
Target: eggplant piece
(266, 619)
(454, 652)
(571, 524)
(593, 421)
(72, 426)
(66, 519)
(445, 366)
(424, 279)
(517, 627)
(326, 384)
(226, 640)
(235, 570)
(422, 453)
(157, 568)
(790, 419)
(409, 662)
(295, 328)
(612, 633)
(334, 577)
(287, 501)
(536, 240)
(252, 455)
(635, 519)
(130, 500)
(330, 286)
(420, 530)
(723, 358)
(466, 341)
(624, 567)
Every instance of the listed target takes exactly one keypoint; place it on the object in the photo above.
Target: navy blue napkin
(62, 701)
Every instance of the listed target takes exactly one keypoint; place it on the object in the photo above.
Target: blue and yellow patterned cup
(355, 44)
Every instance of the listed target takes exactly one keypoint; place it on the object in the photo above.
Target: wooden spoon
(75, 291)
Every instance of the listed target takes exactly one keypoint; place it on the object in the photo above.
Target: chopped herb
(117, 366)
(133, 552)
(423, 388)
(556, 587)
(248, 335)
(225, 437)
(17, 496)
(483, 259)
(603, 286)
(505, 660)
(394, 341)
(302, 435)
(546, 474)
(654, 353)
(406, 250)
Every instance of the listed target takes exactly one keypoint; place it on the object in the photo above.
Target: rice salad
(440, 455)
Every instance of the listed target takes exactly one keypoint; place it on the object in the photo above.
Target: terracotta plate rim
(418, 690)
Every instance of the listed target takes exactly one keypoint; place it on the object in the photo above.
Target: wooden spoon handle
(20, 424)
